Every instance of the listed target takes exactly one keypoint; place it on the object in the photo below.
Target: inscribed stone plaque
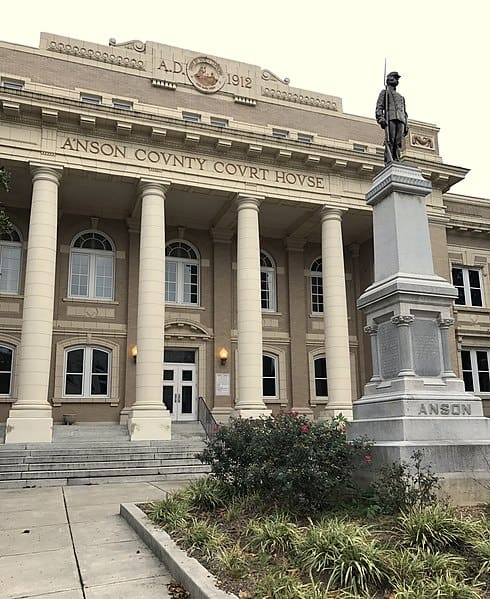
(426, 347)
(222, 383)
(389, 350)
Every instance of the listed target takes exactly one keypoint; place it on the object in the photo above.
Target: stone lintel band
(403, 322)
(335, 313)
(30, 418)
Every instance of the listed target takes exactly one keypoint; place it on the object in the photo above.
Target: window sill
(5, 294)
(319, 401)
(185, 306)
(58, 401)
(90, 300)
(275, 400)
(7, 399)
(266, 313)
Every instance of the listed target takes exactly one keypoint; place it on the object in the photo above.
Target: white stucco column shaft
(335, 315)
(250, 402)
(149, 419)
(30, 419)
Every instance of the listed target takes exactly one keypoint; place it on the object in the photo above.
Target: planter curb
(186, 570)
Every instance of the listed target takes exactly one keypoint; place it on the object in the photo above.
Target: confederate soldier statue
(391, 114)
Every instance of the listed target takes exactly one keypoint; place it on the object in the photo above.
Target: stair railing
(207, 420)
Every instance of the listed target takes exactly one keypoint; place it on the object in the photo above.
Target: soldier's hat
(394, 74)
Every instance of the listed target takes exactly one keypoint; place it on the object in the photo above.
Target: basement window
(217, 122)
(305, 138)
(122, 105)
(359, 148)
(280, 133)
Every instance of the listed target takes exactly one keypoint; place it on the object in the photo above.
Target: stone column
(250, 402)
(444, 324)
(403, 322)
(297, 326)
(30, 419)
(149, 419)
(335, 315)
(373, 334)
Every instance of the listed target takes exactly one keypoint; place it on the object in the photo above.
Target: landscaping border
(186, 570)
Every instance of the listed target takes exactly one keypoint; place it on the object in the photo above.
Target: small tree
(5, 223)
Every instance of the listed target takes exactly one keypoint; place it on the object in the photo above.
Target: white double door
(180, 390)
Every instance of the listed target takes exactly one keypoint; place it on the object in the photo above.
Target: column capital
(371, 329)
(249, 200)
(402, 320)
(445, 323)
(45, 171)
(332, 213)
(156, 186)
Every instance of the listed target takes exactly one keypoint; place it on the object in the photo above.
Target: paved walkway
(71, 543)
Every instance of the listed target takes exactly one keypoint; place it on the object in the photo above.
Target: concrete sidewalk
(71, 543)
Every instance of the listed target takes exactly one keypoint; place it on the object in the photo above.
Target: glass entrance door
(180, 386)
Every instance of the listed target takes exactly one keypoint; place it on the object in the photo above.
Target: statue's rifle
(389, 155)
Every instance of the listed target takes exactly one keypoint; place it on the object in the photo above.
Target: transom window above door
(182, 266)
(92, 266)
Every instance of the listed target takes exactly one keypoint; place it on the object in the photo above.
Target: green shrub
(403, 486)
(274, 533)
(345, 554)
(287, 459)
(433, 528)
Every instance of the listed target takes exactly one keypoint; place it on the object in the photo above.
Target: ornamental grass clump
(409, 566)
(272, 534)
(171, 513)
(206, 494)
(439, 587)
(233, 562)
(287, 459)
(203, 536)
(434, 528)
(344, 554)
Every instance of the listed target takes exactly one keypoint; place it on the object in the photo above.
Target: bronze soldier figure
(391, 114)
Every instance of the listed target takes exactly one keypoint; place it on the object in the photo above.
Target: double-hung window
(321, 378)
(468, 282)
(6, 369)
(476, 376)
(10, 259)
(181, 274)
(267, 282)
(316, 287)
(87, 372)
(92, 267)
(270, 387)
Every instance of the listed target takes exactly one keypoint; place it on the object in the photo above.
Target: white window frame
(218, 121)
(191, 117)
(305, 138)
(315, 378)
(466, 284)
(87, 371)
(11, 371)
(180, 268)
(474, 367)
(16, 84)
(280, 133)
(270, 271)
(92, 267)
(275, 359)
(90, 99)
(17, 245)
(316, 274)
(122, 104)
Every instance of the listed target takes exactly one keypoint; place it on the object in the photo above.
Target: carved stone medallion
(205, 74)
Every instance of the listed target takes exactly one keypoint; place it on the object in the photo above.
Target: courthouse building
(190, 226)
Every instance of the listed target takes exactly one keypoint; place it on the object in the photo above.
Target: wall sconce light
(134, 352)
(223, 355)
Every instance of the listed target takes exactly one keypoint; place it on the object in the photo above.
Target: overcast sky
(441, 49)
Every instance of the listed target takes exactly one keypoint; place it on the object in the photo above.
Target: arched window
(316, 287)
(6, 369)
(10, 259)
(321, 386)
(267, 282)
(181, 274)
(86, 372)
(92, 266)
(270, 387)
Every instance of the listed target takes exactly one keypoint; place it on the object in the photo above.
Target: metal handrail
(207, 420)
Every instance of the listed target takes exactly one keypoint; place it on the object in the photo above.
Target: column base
(222, 415)
(124, 415)
(149, 423)
(251, 413)
(27, 424)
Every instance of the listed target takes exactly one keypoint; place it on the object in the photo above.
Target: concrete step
(130, 445)
(97, 457)
(44, 466)
(105, 472)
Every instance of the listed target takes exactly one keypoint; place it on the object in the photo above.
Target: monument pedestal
(414, 400)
